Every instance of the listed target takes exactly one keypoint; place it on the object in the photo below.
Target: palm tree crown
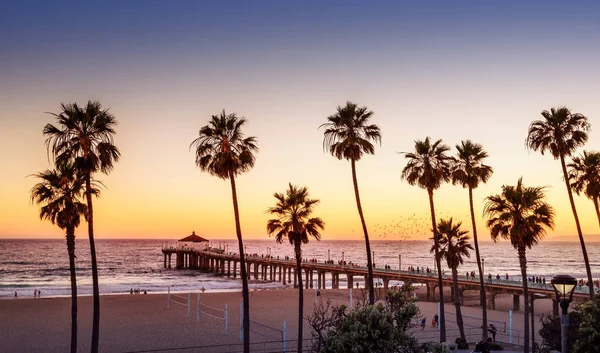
(453, 242)
(221, 149)
(60, 192)
(584, 173)
(469, 169)
(85, 136)
(429, 165)
(561, 132)
(519, 214)
(348, 134)
(292, 210)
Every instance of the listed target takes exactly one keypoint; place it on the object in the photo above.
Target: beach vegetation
(521, 215)
(469, 171)
(584, 175)
(293, 210)
(348, 135)
(384, 327)
(561, 132)
(428, 167)
(222, 151)
(84, 137)
(454, 245)
(583, 332)
(60, 194)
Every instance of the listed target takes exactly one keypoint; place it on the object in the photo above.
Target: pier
(268, 268)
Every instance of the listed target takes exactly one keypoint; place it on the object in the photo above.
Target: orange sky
(482, 77)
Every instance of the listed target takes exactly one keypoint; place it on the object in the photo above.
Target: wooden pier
(267, 268)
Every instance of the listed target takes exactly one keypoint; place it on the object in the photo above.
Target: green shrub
(461, 343)
(495, 346)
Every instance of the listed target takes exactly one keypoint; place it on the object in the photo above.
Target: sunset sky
(451, 70)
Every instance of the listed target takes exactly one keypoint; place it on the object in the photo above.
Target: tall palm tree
(223, 151)
(584, 174)
(453, 245)
(428, 167)
(85, 136)
(521, 215)
(293, 210)
(469, 171)
(348, 135)
(560, 133)
(59, 193)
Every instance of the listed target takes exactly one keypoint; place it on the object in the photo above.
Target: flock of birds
(413, 226)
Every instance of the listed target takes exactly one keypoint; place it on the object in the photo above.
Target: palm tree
(521, 215)
(453, 245)
(84, 137)
(348, 136)
(584, 173)
(222, 151)
(428, 167)
(469, 171)
(560, 133)
(293, 210)
(59, 192)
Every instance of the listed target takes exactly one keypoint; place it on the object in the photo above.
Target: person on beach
(423, 322)
(15, 294)
(492, 329)
(436, 320)
(35, 293)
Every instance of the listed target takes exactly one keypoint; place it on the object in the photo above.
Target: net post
(510, 326)
(189, 303)
(285, 337)
(198, 309)
(169, 297)
(226, 318)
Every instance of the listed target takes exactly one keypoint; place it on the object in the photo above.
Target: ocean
(42, 264)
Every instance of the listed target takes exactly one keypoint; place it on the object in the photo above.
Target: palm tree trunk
(95, 286)
(585, 255)
(367, 243)
(595, 199)
(457, 303)
(482, 296)
(71, 251)
(298, 252)
(523, 264)
(439, 268)
(243, 274)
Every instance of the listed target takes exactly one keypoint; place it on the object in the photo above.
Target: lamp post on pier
(564, 286)
(399, 262)
(328, 255)
(342, 258)
(373, 258)
(483, 267)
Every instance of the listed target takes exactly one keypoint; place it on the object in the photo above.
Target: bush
(461, 343)
(367, 328)
(496, 346)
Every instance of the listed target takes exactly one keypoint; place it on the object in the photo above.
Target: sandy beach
(131, 323)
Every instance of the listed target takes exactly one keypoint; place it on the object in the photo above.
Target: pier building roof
(194, 238)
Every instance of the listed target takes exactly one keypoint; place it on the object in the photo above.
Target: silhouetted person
(492, 329)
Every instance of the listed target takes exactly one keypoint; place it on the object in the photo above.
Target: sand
(131, 323)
